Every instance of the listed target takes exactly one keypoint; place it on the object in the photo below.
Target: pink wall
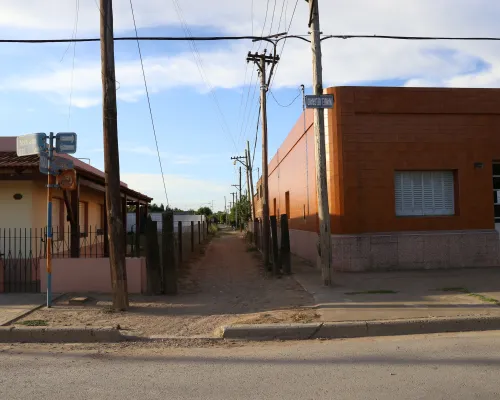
(84, 275)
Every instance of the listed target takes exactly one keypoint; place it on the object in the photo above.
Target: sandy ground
(225, 285)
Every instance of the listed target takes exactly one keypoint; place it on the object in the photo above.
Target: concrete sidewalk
(402, 294)
(15, 305)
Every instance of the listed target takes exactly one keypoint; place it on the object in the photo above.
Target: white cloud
(345, 61)
(179, 189)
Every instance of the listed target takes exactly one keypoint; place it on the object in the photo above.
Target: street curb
(28, 312)
(356, 329)
(269, 331)
(14, 334)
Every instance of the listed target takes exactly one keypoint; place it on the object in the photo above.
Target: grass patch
(481, 297)
(213, 229)
(34, 322)
(372, 292)
(486, 299)
(455, 289)
(251, 249)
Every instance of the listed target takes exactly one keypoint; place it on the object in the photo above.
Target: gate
(20, 253)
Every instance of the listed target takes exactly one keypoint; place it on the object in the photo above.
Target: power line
(140, 38)
(271, 78)
(245, 117)
(149, 104)
(287, 105)
(256, 135)
(200, 66)
(75, 32)
(255, 38)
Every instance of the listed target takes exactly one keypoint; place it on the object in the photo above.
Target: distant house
(413, 179)
(79, 222)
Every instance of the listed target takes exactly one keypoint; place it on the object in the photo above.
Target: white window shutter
(424, 193)
(449, 193)
(398, 190)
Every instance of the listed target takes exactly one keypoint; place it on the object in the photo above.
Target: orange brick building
(413, 176)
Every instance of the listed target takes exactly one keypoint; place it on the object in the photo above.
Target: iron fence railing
(26, 242)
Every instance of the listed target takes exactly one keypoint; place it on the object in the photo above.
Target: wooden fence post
(168, 259)
(199, 233)
(152, 258)
(285, 256)
(179, 241)
(192, 236)
(274, 244)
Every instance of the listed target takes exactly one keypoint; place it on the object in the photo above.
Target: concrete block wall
(416, 250)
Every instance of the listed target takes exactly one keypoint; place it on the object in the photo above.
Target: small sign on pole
(66, 142)
(31, 144)
(57, 165)
(319, 101)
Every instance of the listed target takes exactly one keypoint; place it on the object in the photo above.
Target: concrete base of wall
(416, 250)
(304, 244)
(404, 250)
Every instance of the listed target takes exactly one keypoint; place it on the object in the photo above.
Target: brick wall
(380, 130)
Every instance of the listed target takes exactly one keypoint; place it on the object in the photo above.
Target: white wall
(185, 219)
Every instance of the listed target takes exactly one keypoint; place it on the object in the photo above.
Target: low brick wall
(416, 250)
(84, 275)
(404, 250)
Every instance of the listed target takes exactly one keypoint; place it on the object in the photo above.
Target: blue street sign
(319, 101)
(28, 145)
(57, 165)
(66, 142)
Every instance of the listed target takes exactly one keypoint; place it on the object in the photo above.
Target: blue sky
(194, 139)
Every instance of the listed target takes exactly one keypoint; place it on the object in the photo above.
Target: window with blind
(83, 216)
(421, 193)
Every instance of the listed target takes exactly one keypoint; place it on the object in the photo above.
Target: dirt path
(226, 285)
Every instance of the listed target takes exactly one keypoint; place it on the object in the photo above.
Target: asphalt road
(455, 366)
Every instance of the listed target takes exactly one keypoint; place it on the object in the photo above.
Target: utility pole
(235, 210)
(116, 232)
(225, 209)
(325, 247)
(248, 169)
(261, 60)
(250, 176)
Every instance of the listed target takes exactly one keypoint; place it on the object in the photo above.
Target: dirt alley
(225, 285)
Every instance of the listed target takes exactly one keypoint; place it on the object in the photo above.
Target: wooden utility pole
(114, 216)
(250, 177)
(261, 60)
(325, 247)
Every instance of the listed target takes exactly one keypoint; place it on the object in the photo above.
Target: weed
(251, 249)
(481, 297)
(372, 292)
(454, 289)
(34, 322)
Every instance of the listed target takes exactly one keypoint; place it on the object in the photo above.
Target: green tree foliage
(244, 211)
(206, 211)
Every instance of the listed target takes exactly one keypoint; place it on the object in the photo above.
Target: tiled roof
(10, 159)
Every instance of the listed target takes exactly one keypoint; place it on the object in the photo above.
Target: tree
(244, 213)
(206, 211)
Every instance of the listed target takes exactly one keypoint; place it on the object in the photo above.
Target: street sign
(67, 179)
(28, 145)
(66, 142)
(319, 101)
(57, 165)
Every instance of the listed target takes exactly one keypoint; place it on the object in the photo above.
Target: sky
(205, 98)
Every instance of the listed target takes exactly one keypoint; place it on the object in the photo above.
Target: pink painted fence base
(87, 275)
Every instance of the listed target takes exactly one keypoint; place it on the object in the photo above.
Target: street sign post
(319, 101)
(66, 143)
(50, 165)
(31, 144)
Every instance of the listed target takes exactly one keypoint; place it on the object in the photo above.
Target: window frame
(423, 187)
(84, 231)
